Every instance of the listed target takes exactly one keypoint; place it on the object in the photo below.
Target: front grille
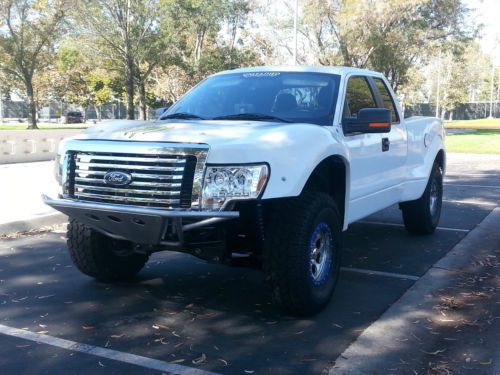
(164, 181)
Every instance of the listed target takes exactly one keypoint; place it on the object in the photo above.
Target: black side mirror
(369, 120)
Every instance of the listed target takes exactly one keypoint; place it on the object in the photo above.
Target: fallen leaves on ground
(224, 362)
(200, 359)
(159, 326)
(180, 360)
(437, 352)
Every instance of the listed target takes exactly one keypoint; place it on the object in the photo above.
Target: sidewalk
(447, 323)
(21, 187)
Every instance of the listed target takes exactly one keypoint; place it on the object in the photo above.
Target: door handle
(385, 144)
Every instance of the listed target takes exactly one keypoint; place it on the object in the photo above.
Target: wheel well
(440, 159)
(330, 177)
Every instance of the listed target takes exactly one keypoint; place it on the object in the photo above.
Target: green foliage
(32, 28)
(98, 83)
(389, 36)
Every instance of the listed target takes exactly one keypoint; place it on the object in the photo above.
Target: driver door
(368, 170)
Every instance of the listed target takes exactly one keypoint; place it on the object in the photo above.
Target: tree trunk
(142, 101)
(97, 109)
(129, 88)
(31, 105)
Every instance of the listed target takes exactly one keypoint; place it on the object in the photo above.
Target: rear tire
(422, 216)
(302, 252)
(102, 257)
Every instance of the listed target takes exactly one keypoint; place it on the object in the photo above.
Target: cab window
(386, 97)
(358, 96)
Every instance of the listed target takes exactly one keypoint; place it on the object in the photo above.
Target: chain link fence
(463, 111)
(17, 111)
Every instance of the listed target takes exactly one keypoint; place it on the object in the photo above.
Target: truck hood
(291, 150)
(208, 132)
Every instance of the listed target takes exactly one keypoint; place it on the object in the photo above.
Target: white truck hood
(291, 150)
(210, 132)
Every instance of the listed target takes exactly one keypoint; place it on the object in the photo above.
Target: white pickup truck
(266, 165)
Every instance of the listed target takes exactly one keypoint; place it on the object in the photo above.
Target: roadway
(182, 314)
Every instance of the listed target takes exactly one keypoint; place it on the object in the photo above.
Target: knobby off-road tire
(102, 257)
(302, 252)
(421, 216)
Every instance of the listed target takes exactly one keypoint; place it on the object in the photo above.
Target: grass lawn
(485, 123)
(478, 142)
(43, 126)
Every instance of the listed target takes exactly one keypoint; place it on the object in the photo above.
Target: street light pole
(1, 106)
(491, 90)
(438, 89)
(295, 32)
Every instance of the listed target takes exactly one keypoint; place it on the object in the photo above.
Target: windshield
(265, 96)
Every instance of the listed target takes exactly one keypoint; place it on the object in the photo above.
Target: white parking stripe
(471, 175)
(402, 225)
(380, 273)
(149, 363)
(491, 204)
(474, 186)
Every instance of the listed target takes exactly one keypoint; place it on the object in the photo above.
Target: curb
(383, 343)
(32, 224)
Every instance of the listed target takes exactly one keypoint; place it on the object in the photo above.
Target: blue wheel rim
(321, 254)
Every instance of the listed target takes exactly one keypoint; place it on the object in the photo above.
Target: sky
(487, 12)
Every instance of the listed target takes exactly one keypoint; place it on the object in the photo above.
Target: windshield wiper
(251, 116)
(181, 115)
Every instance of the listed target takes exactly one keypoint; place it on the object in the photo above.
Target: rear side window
(386, 98)
(358, 96)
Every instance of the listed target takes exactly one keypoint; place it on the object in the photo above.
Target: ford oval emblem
(116, 178)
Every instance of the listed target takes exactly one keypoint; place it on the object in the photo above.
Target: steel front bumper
(140, 225)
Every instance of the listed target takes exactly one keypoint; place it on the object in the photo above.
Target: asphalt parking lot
(213, 318)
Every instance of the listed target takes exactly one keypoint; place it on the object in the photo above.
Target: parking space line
(137, 360)
(380, 273)
(402, 225)
(470, 202)
(470, 175)
(474, 186)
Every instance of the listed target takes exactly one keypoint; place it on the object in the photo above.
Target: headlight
(225, 183)
(61, 164)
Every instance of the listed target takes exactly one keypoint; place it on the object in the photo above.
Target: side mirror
(369, 120)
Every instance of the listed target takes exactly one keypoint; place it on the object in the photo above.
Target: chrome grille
(164, 181)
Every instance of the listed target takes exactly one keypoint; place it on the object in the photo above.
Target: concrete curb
(33, 223)
(381, 345)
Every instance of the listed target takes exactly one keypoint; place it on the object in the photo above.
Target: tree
(389, 36)
(127, 33)
(79, 80)
(464, 75)
(32, 28)
(197, 29)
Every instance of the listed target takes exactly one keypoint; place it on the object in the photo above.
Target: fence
(463, 111)
(18, 111)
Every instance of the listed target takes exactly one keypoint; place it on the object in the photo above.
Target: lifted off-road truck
(264, 164)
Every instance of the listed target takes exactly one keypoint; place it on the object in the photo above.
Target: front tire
(302, 252)
(422, 216)
(102, 257)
